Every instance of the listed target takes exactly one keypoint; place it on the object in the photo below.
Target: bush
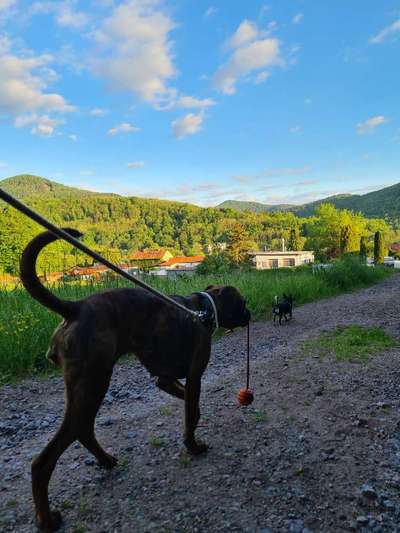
(350, 273)
(218, 263)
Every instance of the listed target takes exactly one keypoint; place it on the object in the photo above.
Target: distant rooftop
(279, 252)
(182, 259)
(150, 255)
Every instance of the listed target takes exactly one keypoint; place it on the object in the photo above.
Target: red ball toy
(245, 397)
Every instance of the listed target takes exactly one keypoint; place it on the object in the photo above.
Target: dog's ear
(228, 290)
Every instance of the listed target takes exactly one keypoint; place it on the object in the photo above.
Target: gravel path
(319, 449)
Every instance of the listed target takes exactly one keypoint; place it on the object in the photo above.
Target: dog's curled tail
(31, 282)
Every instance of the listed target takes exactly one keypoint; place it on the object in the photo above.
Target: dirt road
(319, 450)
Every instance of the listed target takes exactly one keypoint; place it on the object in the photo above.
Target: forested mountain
(384, 203)
(116, 225)
(28, 186)
(256, 207)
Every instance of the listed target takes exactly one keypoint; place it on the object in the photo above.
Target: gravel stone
(317, 451)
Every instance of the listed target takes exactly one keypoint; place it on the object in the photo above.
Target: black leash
(66, 237)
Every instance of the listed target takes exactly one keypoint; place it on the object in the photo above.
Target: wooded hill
(384, 203)
(116, 225)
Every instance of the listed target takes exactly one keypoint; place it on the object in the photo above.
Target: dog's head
(231, 306)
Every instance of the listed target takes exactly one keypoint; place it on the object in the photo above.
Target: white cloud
(71, 19)
(369, 125)
(136, 164)
(246, 32)
(251, 52)
(125, 127)
(73, 138)
(45, 126)
(98, 112)
(386, 32)
(191, 102)
(210, 12)
(262, 77)
(23, 89)
(187, 125)
(297, 18)
(5, 4)
(135, 51)
(295, 129)
(64, 13)
(42, 125)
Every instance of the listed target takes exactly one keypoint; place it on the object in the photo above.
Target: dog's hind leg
(42, 468)
(85, 389)
(95, 388)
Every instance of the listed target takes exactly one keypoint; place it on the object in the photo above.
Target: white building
(268, 260)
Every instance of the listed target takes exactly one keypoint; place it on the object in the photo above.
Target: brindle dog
(95, 332)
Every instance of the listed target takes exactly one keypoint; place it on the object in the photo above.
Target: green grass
(259, 416)
(26, 326)
(353, 343)
(156, 442)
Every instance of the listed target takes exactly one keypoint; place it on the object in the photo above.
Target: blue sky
(283, 101)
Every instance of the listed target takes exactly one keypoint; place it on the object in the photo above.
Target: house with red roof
(150, 258)
(178, 265)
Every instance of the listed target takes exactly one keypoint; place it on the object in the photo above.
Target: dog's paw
(108, 461)
(49, 522)
(196, 448)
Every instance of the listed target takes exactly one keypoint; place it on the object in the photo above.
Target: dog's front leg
(175, 388)
(192, 415)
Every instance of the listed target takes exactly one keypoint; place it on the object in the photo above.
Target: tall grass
(26, 326)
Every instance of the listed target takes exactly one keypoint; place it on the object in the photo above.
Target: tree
(345, 236)
(217, 263)
(238, 244)
(294, 240)
(379, 251)
(363, 248)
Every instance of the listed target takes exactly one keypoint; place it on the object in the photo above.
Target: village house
(52, 277)
(86, 273)
(178, 265)
(150, 258)
(97, 271)
(284, 259)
